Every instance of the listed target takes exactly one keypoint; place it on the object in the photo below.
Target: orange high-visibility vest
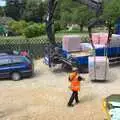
(75, 83)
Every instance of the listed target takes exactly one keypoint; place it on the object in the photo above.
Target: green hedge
(34, 45)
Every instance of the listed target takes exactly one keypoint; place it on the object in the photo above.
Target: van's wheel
(15, 76)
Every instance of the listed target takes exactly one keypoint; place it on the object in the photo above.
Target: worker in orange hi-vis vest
(74, 79)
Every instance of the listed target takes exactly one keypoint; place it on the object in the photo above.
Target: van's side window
(16, 60)
(4, 61)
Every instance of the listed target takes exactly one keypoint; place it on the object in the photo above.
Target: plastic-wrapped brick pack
(115, 41)
(100, 38)
(71, 43)
(98, 68)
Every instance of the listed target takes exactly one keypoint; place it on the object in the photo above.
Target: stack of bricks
(71, 43)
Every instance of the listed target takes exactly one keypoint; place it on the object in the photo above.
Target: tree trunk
(81, 27)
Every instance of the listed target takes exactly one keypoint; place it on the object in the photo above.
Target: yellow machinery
(111, 107)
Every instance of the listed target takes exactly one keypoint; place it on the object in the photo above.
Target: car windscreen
(25, 59)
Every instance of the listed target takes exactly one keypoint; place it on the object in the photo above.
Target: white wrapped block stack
(115, 41)
(86, 46)
(98, 69)
(71, 43)
(99, 46)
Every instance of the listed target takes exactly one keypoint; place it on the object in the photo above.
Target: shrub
(34, 30)
(42, 29)
(57, 26)
(18, 26)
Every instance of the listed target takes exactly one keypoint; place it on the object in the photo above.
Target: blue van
(15, 67)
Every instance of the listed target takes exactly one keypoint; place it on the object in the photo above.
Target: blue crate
(82, 60)
(111, 51)
(99, 51)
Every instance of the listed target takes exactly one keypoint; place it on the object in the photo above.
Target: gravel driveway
(45, 96)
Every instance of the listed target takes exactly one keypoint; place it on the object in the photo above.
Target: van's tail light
(29, 66)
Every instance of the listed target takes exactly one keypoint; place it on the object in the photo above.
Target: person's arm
(69, 79)
(81, 78)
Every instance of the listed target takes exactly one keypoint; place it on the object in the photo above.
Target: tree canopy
(74, 13)
(112, 10)
(67, 11)
(34, 10)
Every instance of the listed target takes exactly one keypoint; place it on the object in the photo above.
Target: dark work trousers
(74, 96)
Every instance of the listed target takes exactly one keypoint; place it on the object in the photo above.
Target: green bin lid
(113, 98)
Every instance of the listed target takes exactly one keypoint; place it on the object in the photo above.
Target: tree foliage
(112, 10)
(1, 11)
(74, 13)
(5, 20)
(67, 13)
(30, 10)
(34, 10)
(18, 26)
(14, 8)
(34, 30)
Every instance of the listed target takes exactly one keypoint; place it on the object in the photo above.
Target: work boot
(77, 102)
(70, 105)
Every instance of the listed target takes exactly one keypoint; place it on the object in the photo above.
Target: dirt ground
(45, 96)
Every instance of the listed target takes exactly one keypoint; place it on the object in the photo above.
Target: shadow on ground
(87, 98)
